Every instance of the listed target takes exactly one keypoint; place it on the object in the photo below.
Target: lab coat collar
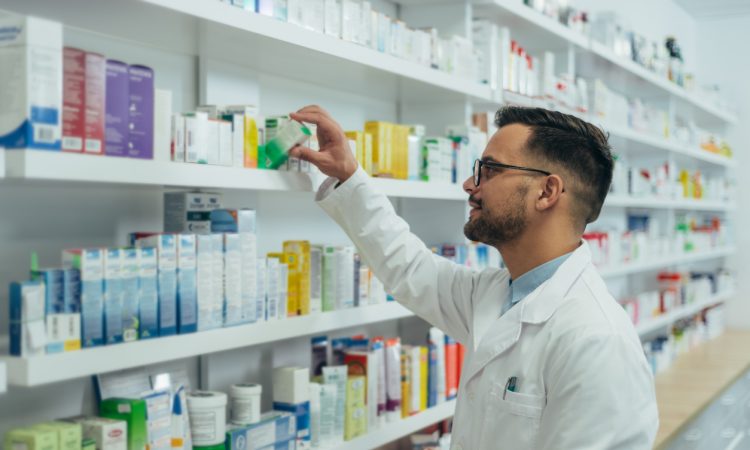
(501, 334)
(494, 336)
(538, 310)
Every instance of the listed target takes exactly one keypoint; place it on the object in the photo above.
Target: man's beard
(499, 229)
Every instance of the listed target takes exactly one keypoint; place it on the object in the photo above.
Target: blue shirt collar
(528, 282)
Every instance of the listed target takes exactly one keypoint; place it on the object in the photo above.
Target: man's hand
(335, 157)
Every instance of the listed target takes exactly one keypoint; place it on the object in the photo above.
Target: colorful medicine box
(148, 290)
(274, 427)
(95, 103)
(117, 115)
(187, 302)
(74, 99)
(233, 221)
(113, 296)
(31, 439)
(140, 112)
(166, 254)
(133, 412)
(27, 323)
(90, 265)
(108, 434)
(301, 412)
(69, 435)
(130, 293)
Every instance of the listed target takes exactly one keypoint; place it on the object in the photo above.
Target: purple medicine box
(116, 119)
(141, 143)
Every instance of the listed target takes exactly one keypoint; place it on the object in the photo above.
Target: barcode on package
(44, 133)
(93, 146)
(68, 143)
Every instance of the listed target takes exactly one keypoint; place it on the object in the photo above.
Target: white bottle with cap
(208, 417)
(244, 403)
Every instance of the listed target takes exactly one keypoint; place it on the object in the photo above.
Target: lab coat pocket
(525, 405)
(512, 419)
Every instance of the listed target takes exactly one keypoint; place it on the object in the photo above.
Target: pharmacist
(552, 361)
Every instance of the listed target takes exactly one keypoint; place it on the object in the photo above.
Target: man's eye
(489, 171)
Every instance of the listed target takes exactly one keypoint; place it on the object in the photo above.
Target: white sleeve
(431, 286)
(600, 395)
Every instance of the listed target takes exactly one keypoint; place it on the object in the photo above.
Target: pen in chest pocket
(510, 385)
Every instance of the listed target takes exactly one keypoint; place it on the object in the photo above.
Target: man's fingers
(308, 117)
(311, 117)
(306, 154)
(314, 109)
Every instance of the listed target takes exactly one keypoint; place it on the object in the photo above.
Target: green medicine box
(132, 411)
(30, 439)
(69, 435)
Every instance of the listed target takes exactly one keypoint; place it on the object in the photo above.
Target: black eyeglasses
(478, 164)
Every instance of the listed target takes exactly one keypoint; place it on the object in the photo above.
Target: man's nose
(469, 187)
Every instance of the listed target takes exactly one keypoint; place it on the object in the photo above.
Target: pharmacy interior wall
(722, 47)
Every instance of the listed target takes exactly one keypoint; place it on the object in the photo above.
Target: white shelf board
(663, 320)
(622, 201)
(659, 143)
(664, 262)
(38, 165)
(282, 38)
(39, 370)
(402, 428)
(75, 167)
(530, 28)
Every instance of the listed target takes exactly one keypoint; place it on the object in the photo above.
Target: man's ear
(550, 191)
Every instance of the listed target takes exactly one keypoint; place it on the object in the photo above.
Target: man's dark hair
(577, 147)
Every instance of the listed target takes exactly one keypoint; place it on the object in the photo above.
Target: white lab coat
(583, 381)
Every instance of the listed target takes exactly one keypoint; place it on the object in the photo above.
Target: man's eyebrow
(489, 159)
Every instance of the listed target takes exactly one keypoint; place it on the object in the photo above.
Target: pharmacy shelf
(531, 29)
(538, 32)
(39, 370)
(35, 165)
(707, 112)
(664, 262)
(658, 143)
(262, 39)
(664, 320)
(220, 33)
(643, 141)
(622, 201)
(402, 428)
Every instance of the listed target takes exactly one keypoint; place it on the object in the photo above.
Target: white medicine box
(31, 78)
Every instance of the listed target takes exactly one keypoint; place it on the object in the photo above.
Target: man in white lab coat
(552, 361)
